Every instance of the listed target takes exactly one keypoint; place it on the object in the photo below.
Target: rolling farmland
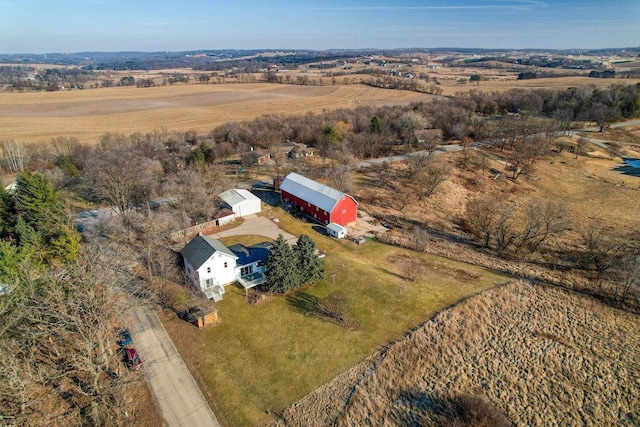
(87, 114)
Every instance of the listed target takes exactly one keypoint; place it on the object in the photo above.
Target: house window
(208, 283)
(317, 208)
(208, 269)
(308, 204)
(315, 216)
(326, 222)
(246, 270)
(225, 264)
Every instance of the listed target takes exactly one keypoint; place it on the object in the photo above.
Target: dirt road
(176, 393)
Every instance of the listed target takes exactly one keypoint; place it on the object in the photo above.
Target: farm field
(539, 355)
(87, 114)
(260, 359)
(451, 86)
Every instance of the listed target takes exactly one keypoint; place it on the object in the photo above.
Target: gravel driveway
(173, 388)
(259, 226)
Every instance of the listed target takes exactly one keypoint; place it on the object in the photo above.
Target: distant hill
(206, 59)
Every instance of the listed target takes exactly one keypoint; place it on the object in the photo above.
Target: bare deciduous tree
(412, 269)
(416, 164)
(481, 215)
(434, 173)
(420, 238)
(340, 178)
(60, 341)
(123, 178)
(601, 250)
(407, 125)
(627, 280)
(14, 156)
(542, 219)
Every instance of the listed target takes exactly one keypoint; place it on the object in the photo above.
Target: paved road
(175, 391)
(613, 126)
(259, 226)
(443, 149)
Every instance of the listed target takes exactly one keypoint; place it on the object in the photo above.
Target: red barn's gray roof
(311, 191)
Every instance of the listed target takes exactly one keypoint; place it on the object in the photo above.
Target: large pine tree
(35, 218)
(310, 267)
(282, 270)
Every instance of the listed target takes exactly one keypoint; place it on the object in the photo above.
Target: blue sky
(39, 26)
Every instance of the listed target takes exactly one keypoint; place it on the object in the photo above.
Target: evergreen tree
(64, 244)
(6, 212)
(282, 270)
(10, 261)
(310, 267)
(37, 202)
(34, 217)
(377, 125)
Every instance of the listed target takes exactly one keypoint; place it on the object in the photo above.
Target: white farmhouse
(210, 265)
(241, 202)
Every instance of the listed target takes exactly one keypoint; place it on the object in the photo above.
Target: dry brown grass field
(591, 187)
(87, 114)
(540, 355)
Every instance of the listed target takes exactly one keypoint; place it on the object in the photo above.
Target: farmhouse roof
(201, 248)
(311, 191)
(236, 196)
(248, 255)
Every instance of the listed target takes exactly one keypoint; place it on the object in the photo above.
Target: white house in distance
(211, 265)
(241, 202)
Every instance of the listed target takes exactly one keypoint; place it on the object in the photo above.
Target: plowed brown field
(87, 114)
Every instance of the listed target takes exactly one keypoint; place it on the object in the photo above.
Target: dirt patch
(143, 412)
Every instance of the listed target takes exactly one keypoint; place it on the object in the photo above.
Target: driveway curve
(259, 226)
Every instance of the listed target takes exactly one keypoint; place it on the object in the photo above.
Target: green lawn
(260, 359)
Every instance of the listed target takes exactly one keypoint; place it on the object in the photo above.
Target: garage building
(241, 202)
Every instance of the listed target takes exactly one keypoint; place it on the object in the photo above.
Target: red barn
(324, 204)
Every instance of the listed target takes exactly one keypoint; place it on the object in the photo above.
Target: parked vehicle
(133, 360)
(124, 339)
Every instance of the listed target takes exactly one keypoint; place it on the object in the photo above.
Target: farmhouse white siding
(210, 265)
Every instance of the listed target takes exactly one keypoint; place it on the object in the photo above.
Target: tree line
(60, 309)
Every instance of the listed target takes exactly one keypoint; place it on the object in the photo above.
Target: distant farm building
(241, 202)
(295, 150)
(318, 201)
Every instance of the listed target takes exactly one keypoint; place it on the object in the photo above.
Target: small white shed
(336, 230)
(241, 202)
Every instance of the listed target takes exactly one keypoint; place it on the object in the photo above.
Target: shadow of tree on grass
(332, 309)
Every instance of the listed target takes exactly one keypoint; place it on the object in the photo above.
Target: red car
(133, 360)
